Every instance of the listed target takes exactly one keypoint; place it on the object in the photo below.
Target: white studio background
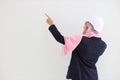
(29, 52)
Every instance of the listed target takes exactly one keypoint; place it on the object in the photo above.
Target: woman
(86, 48)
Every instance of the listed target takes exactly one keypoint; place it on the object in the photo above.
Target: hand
(49, 21)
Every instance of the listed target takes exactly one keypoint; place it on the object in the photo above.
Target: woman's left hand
(49, 20)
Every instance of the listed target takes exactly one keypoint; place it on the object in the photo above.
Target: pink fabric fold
(71, 43)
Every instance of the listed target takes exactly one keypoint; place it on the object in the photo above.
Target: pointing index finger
(47, 15)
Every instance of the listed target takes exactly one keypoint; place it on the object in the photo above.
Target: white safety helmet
(97, 22)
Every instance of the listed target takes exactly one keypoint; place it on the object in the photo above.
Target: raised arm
(54, 31)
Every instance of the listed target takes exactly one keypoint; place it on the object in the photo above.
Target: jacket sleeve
(56, 34)
(69, 43)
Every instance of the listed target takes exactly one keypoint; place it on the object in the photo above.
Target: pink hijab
(72, 42)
